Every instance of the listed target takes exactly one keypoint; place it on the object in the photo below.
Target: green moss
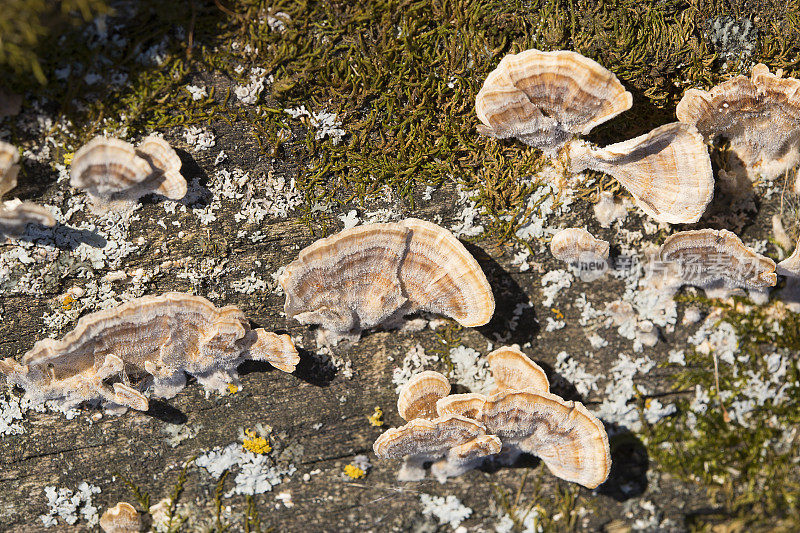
(750, 473)
(29, 27)
(551, 510)
(219, 525)
(174, 521)
(142, 497)
(402, 76)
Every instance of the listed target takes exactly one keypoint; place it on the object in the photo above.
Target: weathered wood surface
(63, 453)
(60, 452)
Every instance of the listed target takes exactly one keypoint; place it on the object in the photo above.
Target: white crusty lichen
(249, 93)
(325, 123)
(468, 214)
(471, 369)
(249, 285)
(255, 473)
(414, 361)
(11, 415)
(269, 195)
(530, 520)
(448, 510)
(747, 391)
(197, 93)
(198, 138)
(573, 372)
(70, 505)
(547, 200)
(553, 284)
(619, 406)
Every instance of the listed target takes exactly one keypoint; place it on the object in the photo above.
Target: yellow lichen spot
(233, 389)
(354, 472)
(66, 303)
(256, 444)
(376, 418)
(558, 313)
(68, 158)
(647, 403)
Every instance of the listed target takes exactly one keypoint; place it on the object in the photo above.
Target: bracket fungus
(148, 342)
(512, 369)
(582, 251)
(570, 440)
(522, 417)
(122, 518)
(469, 404)
(9, 168)
(422, 441)
(570, 244)
(15, 215)
(667, 171)
(375, 274)
(464, 457)
(759, 115)
(417, 398)
(790, 268)
(544, 98)
(711, 259)
(112, 170)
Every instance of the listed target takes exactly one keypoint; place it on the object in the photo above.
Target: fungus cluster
(375, 274)
(115, 173)
(545, 98)
(147, 343)
(458, 432)
(716, 259)
(759, 115)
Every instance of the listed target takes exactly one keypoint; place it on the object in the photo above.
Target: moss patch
(750, 473)
(400, 75)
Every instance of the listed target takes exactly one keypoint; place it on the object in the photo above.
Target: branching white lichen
(471, 369)
(198, 138)
(255, 473)
(249, 93)
(70, 506)
(413, 362)
(10, 415)
(448, 510)
(325, 123)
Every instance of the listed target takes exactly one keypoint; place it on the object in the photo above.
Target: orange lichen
(376, 418)
(256, 443)
(354, 472)
(66, 303)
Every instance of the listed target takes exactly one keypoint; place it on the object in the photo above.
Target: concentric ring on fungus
(418, 397)
(570, 440)
(709, 256)
(154, 340)
(667, 171)
(759, 116)
(375, 274)
(512, 369)
(544, 98)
